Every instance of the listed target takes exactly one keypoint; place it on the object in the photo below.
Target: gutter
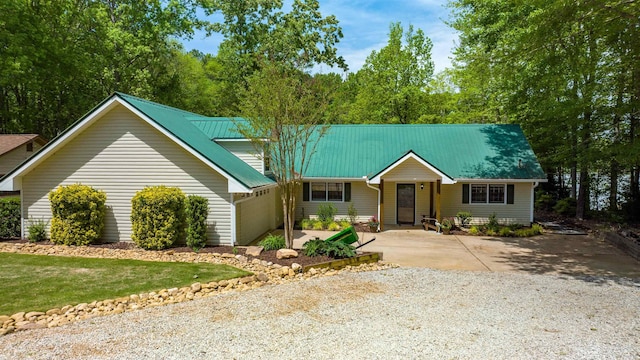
(379, 194)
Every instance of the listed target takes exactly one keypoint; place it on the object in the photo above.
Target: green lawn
(40, 283)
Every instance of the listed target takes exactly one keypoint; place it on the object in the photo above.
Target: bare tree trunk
(613, 189)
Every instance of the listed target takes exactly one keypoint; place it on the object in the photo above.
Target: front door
(406, 203)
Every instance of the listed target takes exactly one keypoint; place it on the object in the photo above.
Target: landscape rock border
(264, 273)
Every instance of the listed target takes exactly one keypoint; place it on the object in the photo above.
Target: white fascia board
(446, 180)
(15, 178)
(329, 179)
(501, 181)
(233, 185)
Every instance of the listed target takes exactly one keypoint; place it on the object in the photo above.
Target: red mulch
(302, 259)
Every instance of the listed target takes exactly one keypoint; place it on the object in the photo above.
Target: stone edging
(627, 245)
(265, 273)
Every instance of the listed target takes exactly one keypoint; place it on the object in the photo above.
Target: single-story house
(396, 172)
(16, 148)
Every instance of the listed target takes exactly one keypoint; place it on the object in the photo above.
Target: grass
(40, 283)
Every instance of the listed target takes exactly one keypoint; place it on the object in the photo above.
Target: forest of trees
(567, 71)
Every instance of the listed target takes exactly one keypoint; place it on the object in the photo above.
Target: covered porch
(409, 191)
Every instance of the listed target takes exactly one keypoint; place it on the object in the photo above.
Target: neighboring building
(396, 172)
(16, 148)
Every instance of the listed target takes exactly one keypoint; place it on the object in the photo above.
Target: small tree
(284, 109)
(197, 211)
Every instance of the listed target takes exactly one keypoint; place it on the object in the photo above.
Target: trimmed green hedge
(10, 215)
(157, 217)
(197, 212)
(78, 214)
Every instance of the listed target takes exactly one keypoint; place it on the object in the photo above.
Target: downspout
(533, 199)
(379, 194)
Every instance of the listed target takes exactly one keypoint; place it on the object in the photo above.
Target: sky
(365, 26)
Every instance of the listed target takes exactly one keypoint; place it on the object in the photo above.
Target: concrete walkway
(573, 255)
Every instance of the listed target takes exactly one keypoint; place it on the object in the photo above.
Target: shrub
(273, 242)
(317, 225)
(464, 218)
(333, 226)
(474, 230)
(344, 223)
(197, 210)
(306, 224)
(493, 223)
(566, 206)
(157, 217)
(534, 230)
(78, 213)
(37, 230)
(352, 212)
(336, 249)
(505, 231)
(326, 212)
(10, 215)
(544, 201)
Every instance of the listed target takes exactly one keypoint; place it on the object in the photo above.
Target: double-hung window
(326, 191)
(487, 193)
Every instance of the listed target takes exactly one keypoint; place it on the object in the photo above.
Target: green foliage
(197, 210)
(333, 226)
(534, 230)
(474, 230)
(326, 212)
(78, 214)
(37, 230)
(446, 224)
(157, 217)
(306, 224)
(10, 215)
(273, 242)
(464, 218)
(544, 201)
(335, 249)
(566, 206)
(352, 212)
(505, 231)
(493, 224)
(317, 225)
(344, 223)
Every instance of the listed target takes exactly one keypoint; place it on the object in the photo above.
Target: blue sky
(365, 26)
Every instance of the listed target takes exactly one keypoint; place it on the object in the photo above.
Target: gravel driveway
(391, 314)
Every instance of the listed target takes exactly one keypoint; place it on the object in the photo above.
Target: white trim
(379, 195)
(233, 185)
(487, 187)
(533, 196)
(445, 179)
(332, 179)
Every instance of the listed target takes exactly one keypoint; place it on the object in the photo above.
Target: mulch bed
(265, 255)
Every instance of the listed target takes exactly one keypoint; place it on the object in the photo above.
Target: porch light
(421, 186)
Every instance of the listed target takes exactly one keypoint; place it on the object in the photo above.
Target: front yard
(40, 283)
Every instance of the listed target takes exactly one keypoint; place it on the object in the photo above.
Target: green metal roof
(218, 127)
(178, 122)
(460, 151)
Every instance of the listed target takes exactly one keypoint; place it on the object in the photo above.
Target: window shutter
(305, 191)
(347, 192)
(465, 193)
(510, 191)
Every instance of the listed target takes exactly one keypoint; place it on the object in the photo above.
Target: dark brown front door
(406, 203)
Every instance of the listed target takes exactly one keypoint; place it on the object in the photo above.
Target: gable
(410, 170)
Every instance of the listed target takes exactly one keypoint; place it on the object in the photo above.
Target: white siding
(519, 212)
(246, 152)
(410, 170)
(363, 198)
(255, 216)
(121, 154)
(15, 157)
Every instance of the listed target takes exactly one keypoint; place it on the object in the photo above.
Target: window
(318, 191)
(496, 194)
(326, 191)
(478, 193)
(487, 193)
(267, 163)
(30, 147)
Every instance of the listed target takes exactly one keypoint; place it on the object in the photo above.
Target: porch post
(381, 205)
(438, 215)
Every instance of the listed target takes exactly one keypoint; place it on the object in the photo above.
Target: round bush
(157, 217)
(78, 214)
